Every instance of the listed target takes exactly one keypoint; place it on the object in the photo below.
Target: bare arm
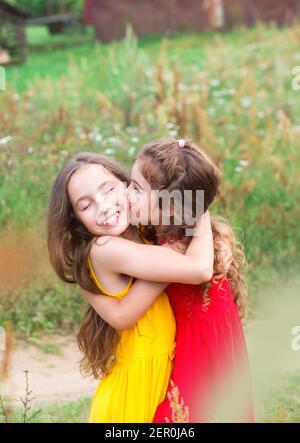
(154, 263)
(123, 314)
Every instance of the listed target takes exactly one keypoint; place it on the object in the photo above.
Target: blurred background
(108, 76)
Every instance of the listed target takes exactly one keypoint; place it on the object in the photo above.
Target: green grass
(76, 411)
(39, 37)
(230, 92)
(45, 306)
(184, 49)
(280, 405)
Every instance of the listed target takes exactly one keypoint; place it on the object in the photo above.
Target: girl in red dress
(210, 379)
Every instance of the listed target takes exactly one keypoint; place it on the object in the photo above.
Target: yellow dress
(138, 381)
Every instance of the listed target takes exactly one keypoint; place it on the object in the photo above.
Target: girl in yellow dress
(90, 241)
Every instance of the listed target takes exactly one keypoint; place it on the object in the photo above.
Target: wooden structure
(13, 46)
(248, 12)
(57, 17)
(57, 23)
(162, 17)
(215, 10)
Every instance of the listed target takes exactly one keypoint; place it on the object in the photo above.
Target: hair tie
(181, 143)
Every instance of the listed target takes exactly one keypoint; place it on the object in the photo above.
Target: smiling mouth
(112, 220)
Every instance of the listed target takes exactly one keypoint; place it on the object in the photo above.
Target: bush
(36, 8)
(231, 93)
(8, 38)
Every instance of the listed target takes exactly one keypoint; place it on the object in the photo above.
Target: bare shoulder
(102, 246)
(103, 240)
(110, 251)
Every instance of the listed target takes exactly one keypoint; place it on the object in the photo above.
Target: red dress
(211, 371)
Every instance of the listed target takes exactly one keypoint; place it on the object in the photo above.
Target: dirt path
(52, 377)
(54, 370)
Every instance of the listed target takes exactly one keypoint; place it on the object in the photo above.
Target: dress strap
(140, 230)
(111, 294)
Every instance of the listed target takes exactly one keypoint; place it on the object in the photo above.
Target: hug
(163, 328)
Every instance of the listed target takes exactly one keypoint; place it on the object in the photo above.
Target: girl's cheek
(96, 216)
(81, 217)
(126, 196)
(89, 218)
(132, 200)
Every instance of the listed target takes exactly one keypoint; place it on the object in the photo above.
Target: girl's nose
(103, 204)
(131, 196)
(104, 211)
(101, 216)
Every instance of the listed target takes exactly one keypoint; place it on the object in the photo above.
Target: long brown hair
(69, 244)
(167, 166)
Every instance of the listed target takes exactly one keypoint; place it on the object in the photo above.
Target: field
(230, 92)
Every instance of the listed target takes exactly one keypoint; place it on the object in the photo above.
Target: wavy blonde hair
(230, 261)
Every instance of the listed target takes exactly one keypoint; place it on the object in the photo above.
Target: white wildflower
(109, 151)
(5, 140)
(132, 150)
(246, 102)
(214, 82)
(243, 163)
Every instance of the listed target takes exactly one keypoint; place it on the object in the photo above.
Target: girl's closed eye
(109, 190)
(85, 207)
(134, 188)
(109, 187)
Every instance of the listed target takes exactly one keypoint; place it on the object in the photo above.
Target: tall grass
(230, 93)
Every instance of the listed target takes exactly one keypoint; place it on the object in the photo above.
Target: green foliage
(44, 306)
(231, 93)
(25, 415)
(38, 8)
(76, 411)
(40, 39)
(281, 405)
(8, 38)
